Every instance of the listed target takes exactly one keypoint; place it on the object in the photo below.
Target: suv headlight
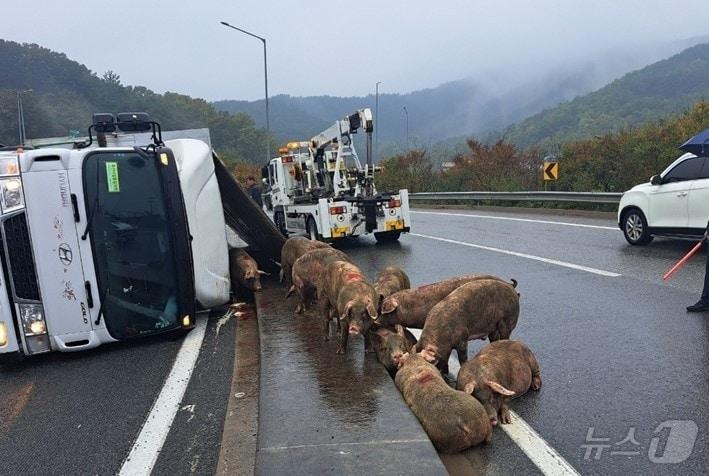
(32, 316)
(11, 197)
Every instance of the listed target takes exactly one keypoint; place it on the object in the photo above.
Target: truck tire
(387, 236)
(312, 229)
(279, 218)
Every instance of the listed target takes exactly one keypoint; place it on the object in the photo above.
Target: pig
(411, 306)
(390, 280)
(485, 308)
(354, 300)
(308, 272)
(244, 268)
(452, 419)
(502, 370)
(293, 249)
(390, 346)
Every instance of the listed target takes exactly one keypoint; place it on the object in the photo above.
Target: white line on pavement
(152, 436)
(546, 458)
(528, 220)
(564, 264)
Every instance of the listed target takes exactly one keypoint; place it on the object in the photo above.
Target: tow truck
(116, 236)
(321, 188)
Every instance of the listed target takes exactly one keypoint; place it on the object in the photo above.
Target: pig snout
(396, 358)
(354, 330)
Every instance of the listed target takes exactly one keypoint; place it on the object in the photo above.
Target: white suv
(675, 202)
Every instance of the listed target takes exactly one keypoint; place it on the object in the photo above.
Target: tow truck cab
(96, 243)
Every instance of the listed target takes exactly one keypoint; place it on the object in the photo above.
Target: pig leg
(461, 351)
(344, 335)
(504, 413)
(325, 315)
(536, 375)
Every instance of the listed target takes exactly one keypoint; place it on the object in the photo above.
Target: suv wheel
(312, 229)
(635, 228)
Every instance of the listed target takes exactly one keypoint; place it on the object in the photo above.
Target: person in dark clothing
(703, 304)
(254, 191)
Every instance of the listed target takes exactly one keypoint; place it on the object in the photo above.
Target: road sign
(550, 171)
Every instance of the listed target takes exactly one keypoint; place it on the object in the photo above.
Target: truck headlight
(32, 316)
(9, 166)
(11, 197)
(3, 334)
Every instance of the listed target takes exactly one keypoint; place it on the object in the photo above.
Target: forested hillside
(60, 95)
(665, 87)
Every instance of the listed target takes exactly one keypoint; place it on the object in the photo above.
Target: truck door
(55, 243)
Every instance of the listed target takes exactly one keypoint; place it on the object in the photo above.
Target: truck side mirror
(656, 180)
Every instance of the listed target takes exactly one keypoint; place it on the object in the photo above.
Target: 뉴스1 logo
(65, 254)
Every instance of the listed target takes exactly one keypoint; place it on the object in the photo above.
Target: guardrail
(580, 197)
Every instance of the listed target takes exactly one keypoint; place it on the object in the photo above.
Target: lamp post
(21, 117)
(407, 128)
(265, 76)
(376, 121)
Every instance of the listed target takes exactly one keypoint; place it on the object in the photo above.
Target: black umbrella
(698, 145)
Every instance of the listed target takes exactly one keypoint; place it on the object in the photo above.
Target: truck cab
(99, 238)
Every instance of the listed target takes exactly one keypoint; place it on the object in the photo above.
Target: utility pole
(376, 121)
(407, 128)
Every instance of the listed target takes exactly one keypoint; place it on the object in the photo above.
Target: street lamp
(376, 121)
(407, 128)
(265, 74)
(21, 116)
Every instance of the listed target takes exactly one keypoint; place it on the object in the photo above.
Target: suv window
(690, 169)
(705, 170)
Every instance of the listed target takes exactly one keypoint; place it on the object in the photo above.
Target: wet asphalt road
(616, 353)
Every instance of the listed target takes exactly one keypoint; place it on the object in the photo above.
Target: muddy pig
(244, 268)
(353, 299)
(411, 306)
(293, 249)
(390, 346)
(308, 274)
(452, 419)
(390, 280)
(502, 370)
(476, 310)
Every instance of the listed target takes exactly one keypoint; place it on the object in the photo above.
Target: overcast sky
(340, 47)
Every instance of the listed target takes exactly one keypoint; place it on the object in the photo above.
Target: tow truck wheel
(387, 237)
(279, 219)
(312, 229)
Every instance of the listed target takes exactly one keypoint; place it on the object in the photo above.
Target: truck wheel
(279, 218)
(312, 229)
(635, 228)
(387, 237)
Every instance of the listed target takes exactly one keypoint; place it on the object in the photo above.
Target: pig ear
(428, 356)
(469, 388)
(389, 305)
(400, 330)
(263, 272)
(372, 311)
(346, 311)
(496, 387)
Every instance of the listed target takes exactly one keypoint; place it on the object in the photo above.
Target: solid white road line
(152, 436)
(528, 220)
(544, 457)
(564, 264)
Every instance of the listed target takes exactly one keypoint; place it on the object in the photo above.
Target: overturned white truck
(117, 236)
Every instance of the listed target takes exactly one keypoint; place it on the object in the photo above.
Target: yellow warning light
(186, 321)
(164, 158)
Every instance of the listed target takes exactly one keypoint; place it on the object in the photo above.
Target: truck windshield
(133, 251)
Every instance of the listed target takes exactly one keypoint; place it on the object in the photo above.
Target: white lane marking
(578, 267)
(145, 451)
(546, 458)
(528, 220)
